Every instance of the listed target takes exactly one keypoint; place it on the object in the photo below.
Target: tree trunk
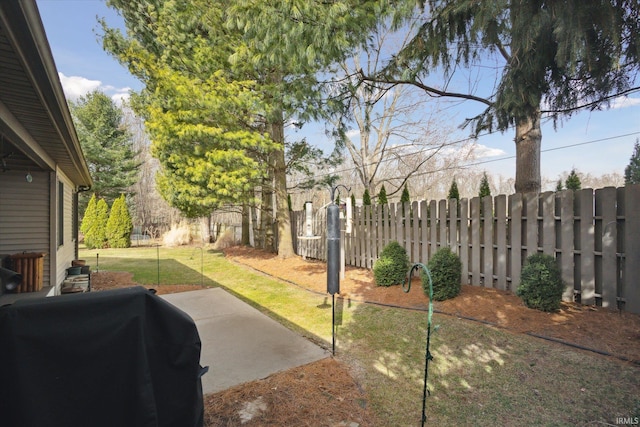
(528, 142)
(245, 225)
(285, 241)
(205, 228)
(266, 210)
(256, 226)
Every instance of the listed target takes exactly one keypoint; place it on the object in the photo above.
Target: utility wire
(350, 169)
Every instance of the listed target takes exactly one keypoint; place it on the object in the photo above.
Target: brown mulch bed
(325, 394)
(609, 331)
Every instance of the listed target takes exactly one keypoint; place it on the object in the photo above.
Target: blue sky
(600, 144)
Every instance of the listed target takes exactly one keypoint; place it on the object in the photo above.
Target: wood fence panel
(424, 233)
(442, 224)
(631, 288)
(362, 238)
(566, 242)
(367, 236)
(453, 227)
(531, 215)
(355, 228)
(475, 242)
(464, 240)
(515, 239)
(349, 252)
(433, 227)
(400, 224)
(486, 213)
(620, 242)
(587, 269)
(595, 236)
(606, 212)
(548, 223)
(415, 226)
(377, 223)
(502, 253)
(406, 209)
(385, 225)
(392, 223)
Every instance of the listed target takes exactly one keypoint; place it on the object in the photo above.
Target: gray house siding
(24, 216)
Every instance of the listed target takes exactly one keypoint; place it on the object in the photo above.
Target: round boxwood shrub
(541, 284)
(392, 265)
(446, 271)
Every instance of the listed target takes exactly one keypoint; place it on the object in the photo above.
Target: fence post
(501, 241)
(464, 239)
(631, 289)
(486, 213)
(566, 243)
(548, 223)
(587, 267)
(515, 239)
(475, 241)
(453, 226)
(531, 216)
(606, 235)
(424, 233)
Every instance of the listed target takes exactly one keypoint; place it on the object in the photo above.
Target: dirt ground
(297, 392)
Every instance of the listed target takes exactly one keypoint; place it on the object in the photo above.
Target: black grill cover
(113, 358)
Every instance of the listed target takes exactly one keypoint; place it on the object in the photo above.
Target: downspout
(81, 188)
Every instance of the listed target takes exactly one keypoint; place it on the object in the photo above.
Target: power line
(485, 161)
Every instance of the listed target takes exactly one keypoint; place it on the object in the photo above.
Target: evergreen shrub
(541, 285)
(446, 271)
(392, 265)
(119, 225)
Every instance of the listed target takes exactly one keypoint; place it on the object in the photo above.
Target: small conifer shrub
(119, 225)
(541, 283)
(392, 265)
(446, 271)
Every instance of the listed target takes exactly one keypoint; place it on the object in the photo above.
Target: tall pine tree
(485, 190)
(632, 171)
(453, 191)
(550, 57)
(382, 196)
(106, 144)
(366, 198)
(573, 181)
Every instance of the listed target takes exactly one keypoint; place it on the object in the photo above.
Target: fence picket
(515, 240)
(476, 243)
(565, 238)
(464, 239)
(587, 265)
(501, 242)
(487, 240)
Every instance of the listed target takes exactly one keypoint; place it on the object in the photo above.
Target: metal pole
(333, 323)
(158, 258)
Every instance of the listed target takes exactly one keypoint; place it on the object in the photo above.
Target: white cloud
(75, 86)
(624, 101)
(353, 134)
(483, 151)
(121, 96)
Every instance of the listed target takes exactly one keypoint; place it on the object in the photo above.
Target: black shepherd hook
(333, 191)
(406, 287)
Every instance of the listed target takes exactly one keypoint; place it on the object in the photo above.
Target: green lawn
(480, 376)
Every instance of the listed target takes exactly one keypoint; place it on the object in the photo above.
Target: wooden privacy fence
(594, 235)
